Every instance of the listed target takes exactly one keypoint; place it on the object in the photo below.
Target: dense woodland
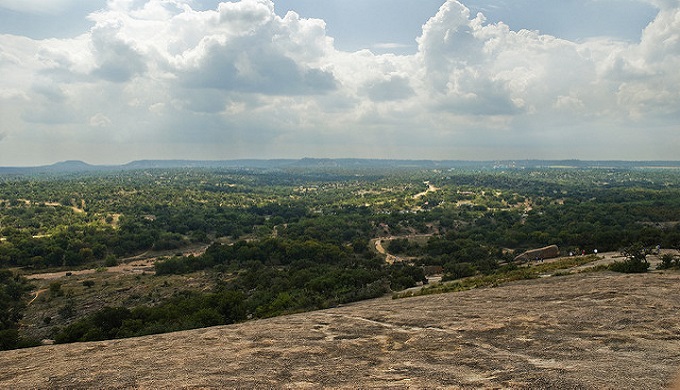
(286, 240)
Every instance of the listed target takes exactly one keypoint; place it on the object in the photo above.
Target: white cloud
(116, 60)
(390, 45)
(647, 75)
(241, 81)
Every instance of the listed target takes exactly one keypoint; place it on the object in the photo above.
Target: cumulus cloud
(116, 60)
(242, 66)
(648, 73)
(241, 46)
(487, 69)
(239, 80)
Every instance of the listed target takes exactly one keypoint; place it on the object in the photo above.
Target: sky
(112, 81)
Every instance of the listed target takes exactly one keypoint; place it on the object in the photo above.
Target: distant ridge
(77, 166)
(70, 166)
(246, 163)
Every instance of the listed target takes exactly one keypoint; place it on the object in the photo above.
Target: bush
(110, 261)
(458, 270)
(68, 310)
(629, 267)
(669, 261)
(636, 261)
(55, 290)
(9, 339)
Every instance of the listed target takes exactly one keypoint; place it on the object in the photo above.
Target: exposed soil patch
(140, 264)
(430, 188)
(587, 331)
(134, 267)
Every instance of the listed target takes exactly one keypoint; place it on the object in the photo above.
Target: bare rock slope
(587, 331)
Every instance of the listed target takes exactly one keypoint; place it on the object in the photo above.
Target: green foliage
(403, 276)
(502, 275)
(68, 310)
(669, 261)
(13, 296)
(458, 271)
(56, 290)
(636, 260)
(9, 338)
(88, 283)
(110, 261)
(295, 239)
(403, 246)
(186, 310)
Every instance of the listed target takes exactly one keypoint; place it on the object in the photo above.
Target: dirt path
(389, 258)
(37, 294)
(430, 188)
(74, 208)
(377, 243)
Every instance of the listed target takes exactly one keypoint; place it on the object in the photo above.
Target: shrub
(55, 289)
(458, 271)
(68, 310)
(9, 339)
(636, 261)
(110, 261)
(668, 261)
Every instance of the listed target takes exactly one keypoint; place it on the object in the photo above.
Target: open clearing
(140, 264)
(598, 330)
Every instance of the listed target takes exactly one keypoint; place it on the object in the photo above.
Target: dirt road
(389, 259)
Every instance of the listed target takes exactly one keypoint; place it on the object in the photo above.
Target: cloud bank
(159, 79)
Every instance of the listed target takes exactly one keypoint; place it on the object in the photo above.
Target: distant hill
(76, 166)
(248, 163)
(70, 166)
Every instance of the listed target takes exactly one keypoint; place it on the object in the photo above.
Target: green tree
(13, 295)
(635, 262)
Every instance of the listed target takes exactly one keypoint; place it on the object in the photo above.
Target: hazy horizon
(368, 161)
(109, 82)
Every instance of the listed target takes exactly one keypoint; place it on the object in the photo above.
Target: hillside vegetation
(103, 254)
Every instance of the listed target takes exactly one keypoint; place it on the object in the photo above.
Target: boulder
(547, 252)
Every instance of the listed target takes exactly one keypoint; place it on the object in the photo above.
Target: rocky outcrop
(551, 333)
(547, 252)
